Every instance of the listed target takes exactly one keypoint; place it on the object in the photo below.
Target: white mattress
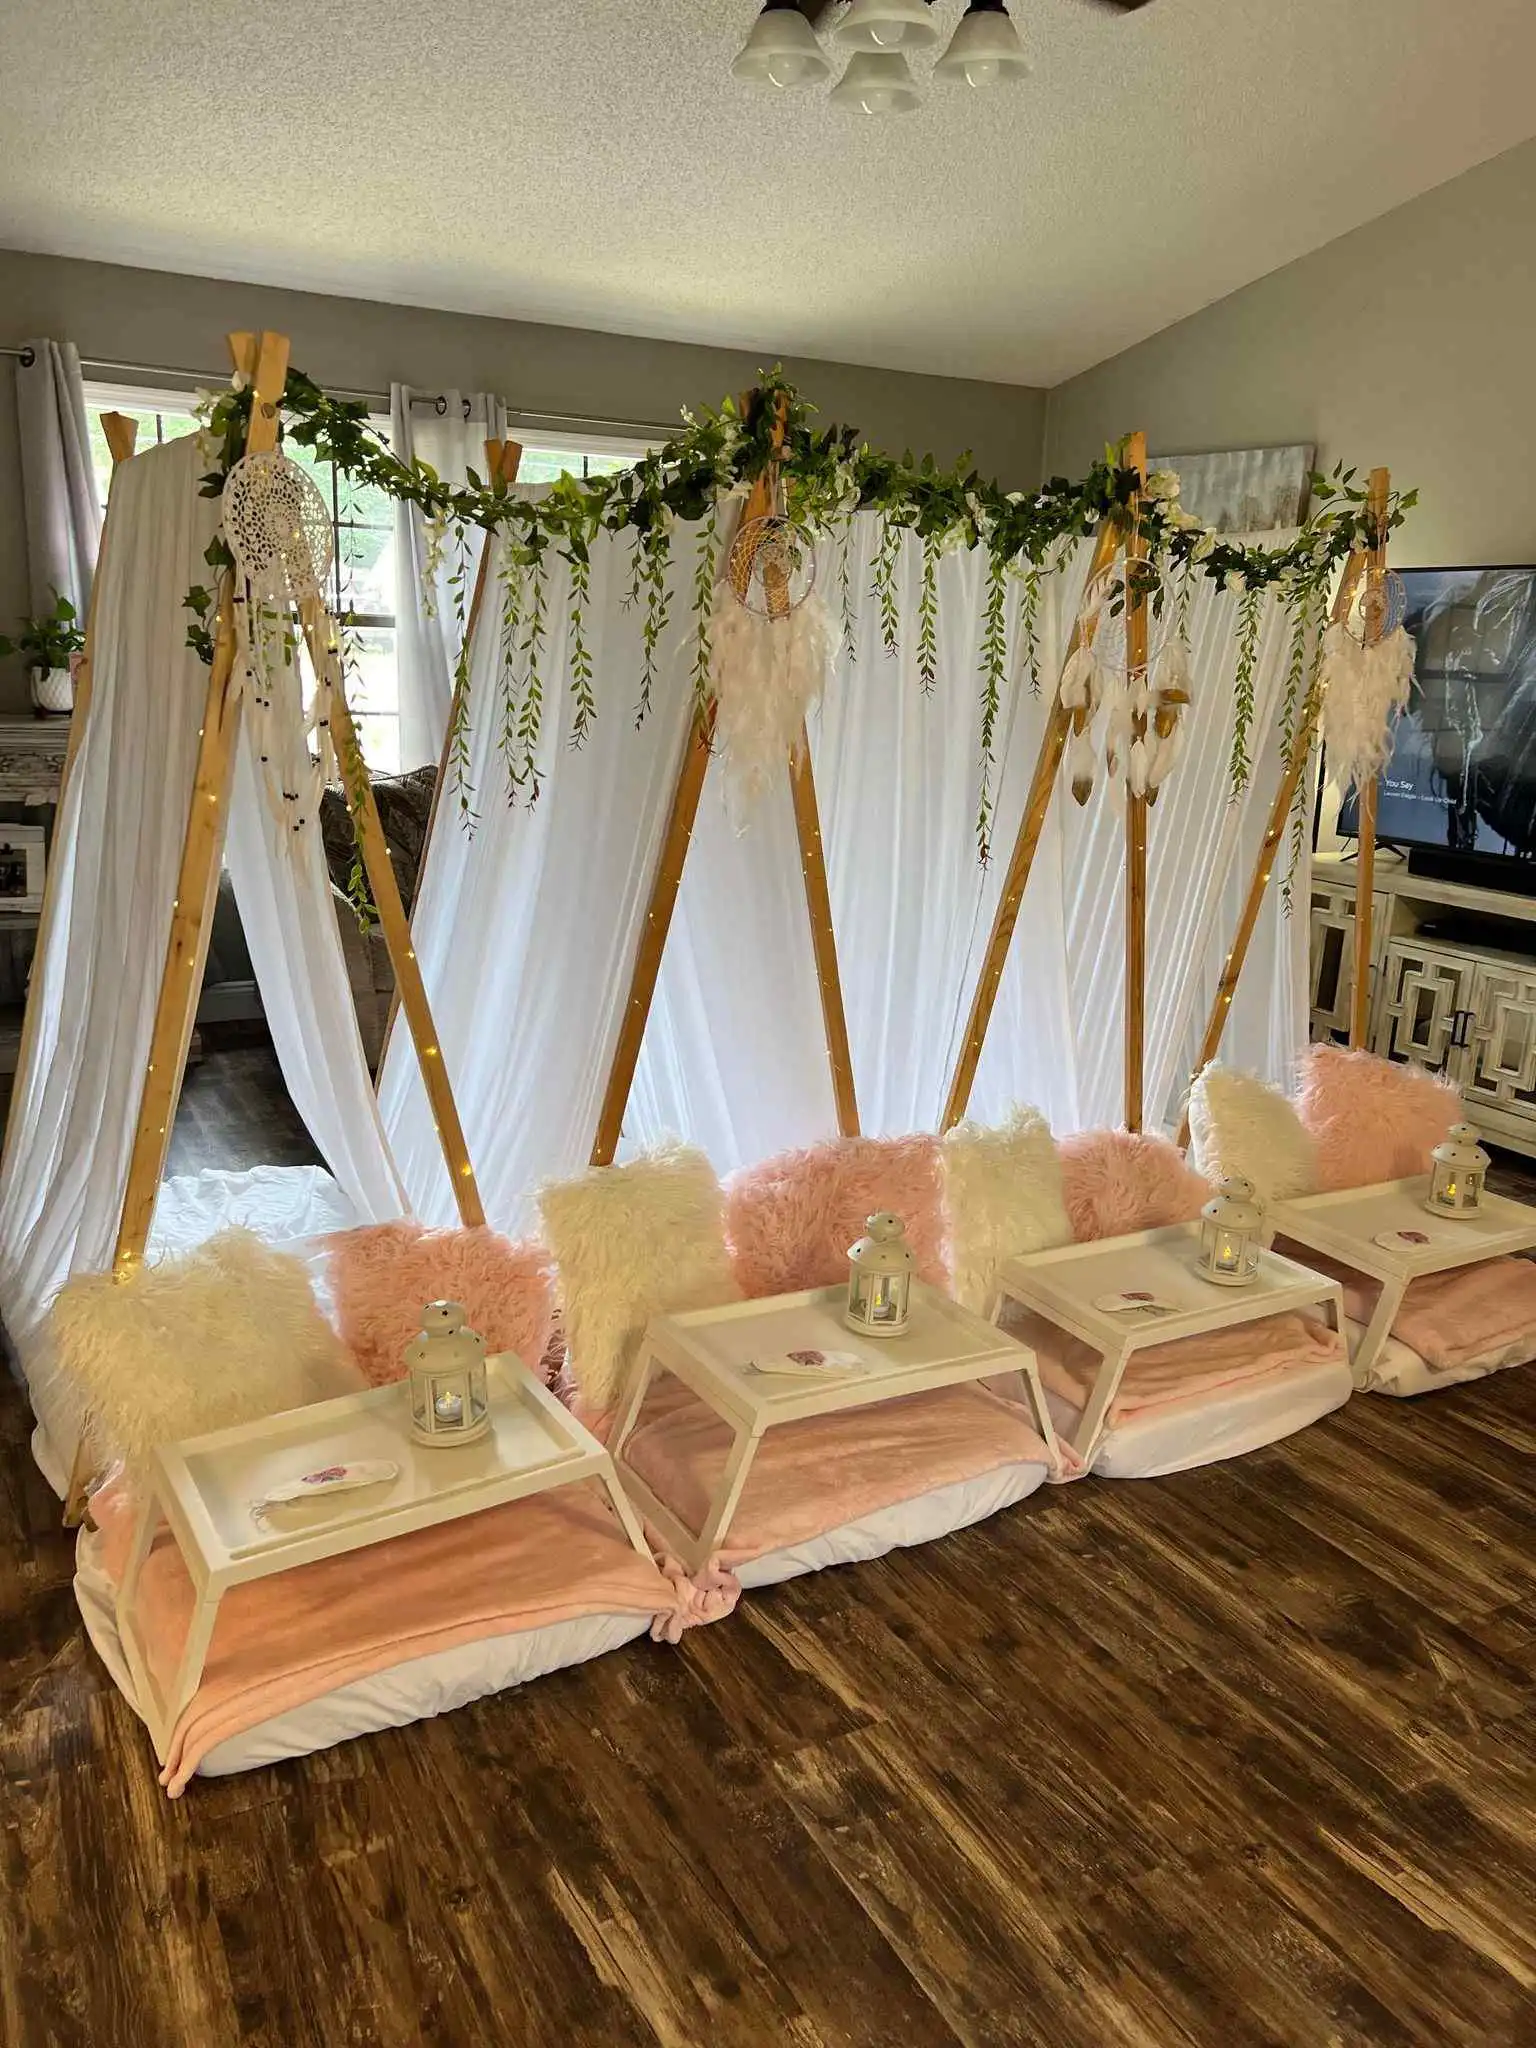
(1220, 1426)
(423, 1686)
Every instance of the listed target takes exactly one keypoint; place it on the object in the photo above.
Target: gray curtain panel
(58, 483)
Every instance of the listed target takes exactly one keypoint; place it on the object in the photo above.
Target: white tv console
(1458, 1005)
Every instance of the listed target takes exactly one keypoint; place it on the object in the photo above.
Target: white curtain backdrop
(1069, 982)
(526, 928)
(533, 921)
(117, 854)
(450, 432)
(58, 485)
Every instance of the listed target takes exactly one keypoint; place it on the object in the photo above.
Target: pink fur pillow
(382, 1275)
(1115, 1182)
(1371, 1119)
(791, 1220)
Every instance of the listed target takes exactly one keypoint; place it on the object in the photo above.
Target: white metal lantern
(1457, 1175)
(880, 1278)
(446, 1364)
(1231, 1232)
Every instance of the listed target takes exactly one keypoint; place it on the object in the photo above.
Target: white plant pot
(53, 692)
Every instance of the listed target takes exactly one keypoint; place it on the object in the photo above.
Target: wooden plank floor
(1243, 1756)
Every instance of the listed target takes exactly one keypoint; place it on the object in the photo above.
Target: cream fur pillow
(1240, 1124)
(223, 1334)
(1002, 1196)
(632, 1242)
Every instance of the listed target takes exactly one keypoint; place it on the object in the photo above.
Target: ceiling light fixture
(877, 82)
(887, 25)
(782, 50)
(985, 48)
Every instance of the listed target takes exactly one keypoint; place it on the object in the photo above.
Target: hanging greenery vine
(826, 475)
(994, 672)
(1250, 603)
(928, 617)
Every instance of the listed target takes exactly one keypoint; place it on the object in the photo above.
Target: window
(363, 581)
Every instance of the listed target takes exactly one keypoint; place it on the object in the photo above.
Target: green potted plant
(52, 647)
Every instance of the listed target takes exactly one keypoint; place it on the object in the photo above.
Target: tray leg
(630, 1406)
(623, 1507)
(1377, 1330)
(727, 1496)
(1105, 1387)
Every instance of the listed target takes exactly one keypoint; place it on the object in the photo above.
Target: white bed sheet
(423, 1686)
(1222, 1426)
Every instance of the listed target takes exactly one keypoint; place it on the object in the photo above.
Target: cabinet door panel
(1501, 1066)
(1421, 993)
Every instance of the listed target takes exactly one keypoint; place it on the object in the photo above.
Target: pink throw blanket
(282, 1641)
(809, 1477)
(1470, 1316)
(1191, 1369)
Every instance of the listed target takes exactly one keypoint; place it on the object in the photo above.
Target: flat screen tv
(1459, 790)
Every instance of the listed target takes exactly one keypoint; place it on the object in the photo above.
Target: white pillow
(631, 1242)
(1002, 1197)
(1239, 1124)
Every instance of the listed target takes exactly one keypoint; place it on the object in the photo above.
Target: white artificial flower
(1205, 546)
(1237, 582)
(1162, 483)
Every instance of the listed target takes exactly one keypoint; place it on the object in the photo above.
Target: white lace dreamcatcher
(280, 534)
(1142, 714)
(771, 647)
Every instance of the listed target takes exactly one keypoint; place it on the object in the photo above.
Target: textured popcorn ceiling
(593, 162)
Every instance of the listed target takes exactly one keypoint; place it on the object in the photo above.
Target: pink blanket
(282, 1641)
(1472, 1315)
(1191, 1369)
(809, 1477)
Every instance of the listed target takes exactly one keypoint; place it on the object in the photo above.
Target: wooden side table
(1064, 1286)
(711, 1351)
(204, 1487)
(1345, 1225)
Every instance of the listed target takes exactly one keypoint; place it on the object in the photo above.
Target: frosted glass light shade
(781, 50)
(985, 49)
(877, 82)
(887, 25)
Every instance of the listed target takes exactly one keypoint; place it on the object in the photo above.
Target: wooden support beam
(1263, 867)
(502, 462)
(181, 978)
(1135, 815)
(818, 902)
(1025, 846)
(384, 885)
(1379, 490)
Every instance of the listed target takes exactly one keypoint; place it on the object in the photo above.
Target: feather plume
(1077, 678)
(766, 675)
(1081, 765)
(1363, 687)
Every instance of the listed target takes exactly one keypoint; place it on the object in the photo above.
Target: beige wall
(145, 316)
(1410, 342)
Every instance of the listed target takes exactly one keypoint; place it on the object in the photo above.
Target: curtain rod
(379, 400)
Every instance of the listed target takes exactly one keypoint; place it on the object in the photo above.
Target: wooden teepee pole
(181, 978)
(1263, 867)
(383, 883)
(502, 462)
(121, 433)
(1135, 814)
(668, 879)
(1025, 846)
(1378, 491)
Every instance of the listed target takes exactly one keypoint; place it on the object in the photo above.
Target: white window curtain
(58, 483)
(449, 431)
(526, 927)
(117, 855)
